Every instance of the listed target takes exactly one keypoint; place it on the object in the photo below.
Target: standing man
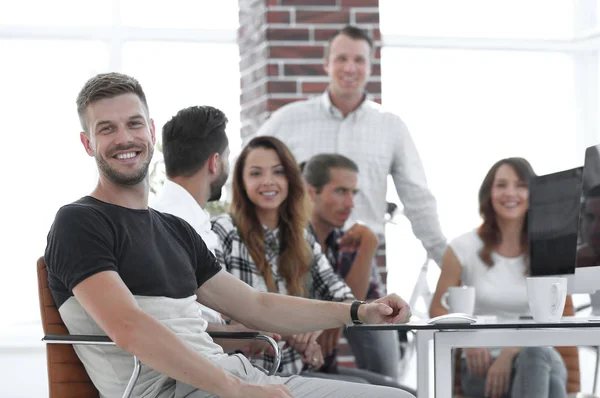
(343, 120)
(331, 181)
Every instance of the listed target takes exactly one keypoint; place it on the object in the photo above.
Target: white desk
(488, 334)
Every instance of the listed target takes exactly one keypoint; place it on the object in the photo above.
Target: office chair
(67, 377)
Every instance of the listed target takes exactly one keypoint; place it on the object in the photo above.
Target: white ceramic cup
(459, 299)
(546, 296)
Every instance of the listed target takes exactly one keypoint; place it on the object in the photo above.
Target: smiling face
(348, 66)
(509, 195)
(333, 205)
(265, 181)
(121, 138)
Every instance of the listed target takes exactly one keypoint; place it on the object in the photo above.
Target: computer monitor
(553, 222)
(564, 224)
(587, 271)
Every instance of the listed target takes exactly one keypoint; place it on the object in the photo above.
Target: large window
(47, 54)
(530, 19)
(479, 81)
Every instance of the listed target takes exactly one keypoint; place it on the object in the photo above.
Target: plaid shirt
(323, 282)
(343, 261)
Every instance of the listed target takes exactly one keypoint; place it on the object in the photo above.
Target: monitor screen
(553, 222)
(588, 243)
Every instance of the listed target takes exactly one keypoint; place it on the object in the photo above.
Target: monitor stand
(585, 280)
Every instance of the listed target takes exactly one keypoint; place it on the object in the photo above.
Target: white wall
(23, 362)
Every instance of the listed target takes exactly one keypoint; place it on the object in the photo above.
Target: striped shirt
(323, 282)
(379, 142)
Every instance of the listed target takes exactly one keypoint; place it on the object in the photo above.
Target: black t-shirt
(155, 254)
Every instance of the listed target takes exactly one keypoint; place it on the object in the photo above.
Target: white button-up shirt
(380, 144)
(176, 200)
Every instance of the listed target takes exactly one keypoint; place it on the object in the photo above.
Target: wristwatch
(354, 312)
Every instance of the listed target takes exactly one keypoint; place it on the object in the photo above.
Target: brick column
(282, 46)
(281, 60)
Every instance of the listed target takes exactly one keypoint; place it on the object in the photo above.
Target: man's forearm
(273, 313)
(159, 348)
(359, 277)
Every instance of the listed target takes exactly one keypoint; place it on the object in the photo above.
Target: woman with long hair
(494, 259)
(264, 241)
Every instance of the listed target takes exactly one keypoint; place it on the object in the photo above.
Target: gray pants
(300, 387)
(375, 350)
(363, 376)
(537, 372)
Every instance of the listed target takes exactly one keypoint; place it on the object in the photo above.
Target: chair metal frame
(104, 340)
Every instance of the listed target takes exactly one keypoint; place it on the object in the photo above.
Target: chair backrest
(67, 378)
(569, 354)
(423, 292)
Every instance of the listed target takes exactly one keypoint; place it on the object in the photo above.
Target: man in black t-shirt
(119, 268)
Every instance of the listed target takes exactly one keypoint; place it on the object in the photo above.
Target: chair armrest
(95, 340)
(77, 339)
(234, 335)
(105, 340)
(253, 336)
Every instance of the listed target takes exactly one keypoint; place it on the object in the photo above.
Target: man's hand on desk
(389, 309)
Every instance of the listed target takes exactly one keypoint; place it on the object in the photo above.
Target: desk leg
(423, 338)
(443, 366)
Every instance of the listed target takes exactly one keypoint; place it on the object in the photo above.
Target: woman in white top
(493, 259)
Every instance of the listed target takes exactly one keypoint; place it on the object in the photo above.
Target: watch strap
(354, 312)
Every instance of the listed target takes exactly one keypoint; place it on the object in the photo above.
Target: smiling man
(119, 268)
(125, 161)
(344, 120)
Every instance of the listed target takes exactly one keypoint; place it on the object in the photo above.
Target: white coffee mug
(546, 296)
(459, 299)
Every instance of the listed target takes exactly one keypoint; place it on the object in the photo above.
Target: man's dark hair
(352, 32)
(106, 85)
(317, 170)
(191, 137)
(302, 165)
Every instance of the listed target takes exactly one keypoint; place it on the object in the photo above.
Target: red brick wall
(282, 46)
